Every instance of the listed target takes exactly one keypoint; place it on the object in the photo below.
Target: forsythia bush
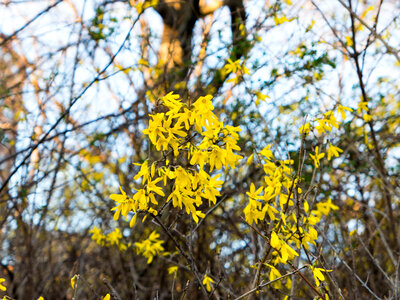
(156, 149)
(196, 151)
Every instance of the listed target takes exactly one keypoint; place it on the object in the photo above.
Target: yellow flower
(250, 159)
(316, 157)
(275, 241)
(73, 281)
(106, 297)
(333, 151)
(267, 152)
(144, 171)
(173, 270)
(331, 120)
(124, 204)
(287, 252)
(254, 194)
(341, 110)
(203, 105)
(326, 207)
(155, 128)
(40, 298)
(231, 66)
(210, 189)
(261, 97)
(253, 212)
(322, 126)
(274, 273)
(270, 210)
(152, 187)
(367, 117)
(318, 276)
(172, 102)
(362, 106)
(207, 282)
(150, 247)
(97, 236)
(199, 157)
(217, 158)
(305, 129)
(114, 237)
(2, 287)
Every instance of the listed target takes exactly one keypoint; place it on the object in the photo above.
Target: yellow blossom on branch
(341, 110)
(207, 281)
(2, 287)
(316, 157)
(305, 129)
(325, 207)
(333, 151)
(317, 273)
(362, 106)
(173, 271)
(106, 297)
(73, 281)
(150, 247)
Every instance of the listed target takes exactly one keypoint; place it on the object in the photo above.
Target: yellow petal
(106, 297)
(275, 242)
(73, 280)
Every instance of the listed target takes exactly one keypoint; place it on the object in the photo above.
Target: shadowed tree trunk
(179, 18)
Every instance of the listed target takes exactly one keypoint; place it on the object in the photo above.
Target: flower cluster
(275, 203)
(2, 287)
(281, 205)
(237, 68)
(192, 143)
(207, 281)
(150, 247)
(108, 240)
(176, 134)
(323, 126)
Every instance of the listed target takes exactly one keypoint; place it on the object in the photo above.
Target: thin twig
(6, 39)
(67, 111)
(268, 283)
(114, 293)
(389, 49)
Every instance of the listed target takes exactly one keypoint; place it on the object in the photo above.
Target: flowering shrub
(193, 144)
